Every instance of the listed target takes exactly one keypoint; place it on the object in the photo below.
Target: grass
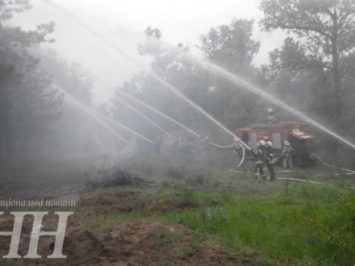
(310, 225)
(280, 223)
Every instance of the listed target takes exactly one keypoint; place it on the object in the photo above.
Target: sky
(123, 22)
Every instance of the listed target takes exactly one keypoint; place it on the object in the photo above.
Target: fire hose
(332, 166)
(230, 146)
(221, 147)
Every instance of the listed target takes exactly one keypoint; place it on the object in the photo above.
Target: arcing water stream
(141, 114)
(253, 89)
(94, 115)
(158, 112)
(257, 91)
(208, 65)
(166, 84)
(151, 108)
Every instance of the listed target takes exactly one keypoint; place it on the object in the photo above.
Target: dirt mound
(127, 201)
(135, 243)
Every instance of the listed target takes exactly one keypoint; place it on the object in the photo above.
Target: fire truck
(296, 133)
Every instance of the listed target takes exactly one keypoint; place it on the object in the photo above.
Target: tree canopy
(29, 103)
(325, 32)
(231, 46)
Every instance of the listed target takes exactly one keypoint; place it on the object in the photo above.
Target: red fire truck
(295, 133)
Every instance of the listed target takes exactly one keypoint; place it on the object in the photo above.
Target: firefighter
(259, 160)
(237, 150)
(270, 160)
(236, 146)
(287, 155)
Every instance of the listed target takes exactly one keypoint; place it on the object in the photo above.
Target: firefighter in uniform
(270, 160)
(237, 149)
(287, 155)
(259, 160)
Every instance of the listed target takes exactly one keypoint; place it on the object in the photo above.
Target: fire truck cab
(295, 133)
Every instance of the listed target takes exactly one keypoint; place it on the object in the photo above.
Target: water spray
(76, 103)
(235, 79)
(176, 122)
(158, 112)
(141, 114)
(93, 113)
(152, 109)
(95, 117)
(238, 81)
(161, 80)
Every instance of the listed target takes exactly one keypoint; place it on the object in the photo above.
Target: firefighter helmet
(269, 144)
(286, 143)
(261, 143)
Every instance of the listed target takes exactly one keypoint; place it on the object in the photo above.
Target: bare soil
(137, 201)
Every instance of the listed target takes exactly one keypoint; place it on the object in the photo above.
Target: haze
(125, 21)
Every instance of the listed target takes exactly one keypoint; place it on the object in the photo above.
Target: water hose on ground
(304, 181)
(332, 166)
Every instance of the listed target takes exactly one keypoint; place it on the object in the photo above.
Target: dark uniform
(270, 161)
(259, 162)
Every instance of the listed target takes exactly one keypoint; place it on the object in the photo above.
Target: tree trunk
(337, 115)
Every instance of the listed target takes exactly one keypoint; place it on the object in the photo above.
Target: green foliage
(230, 46)
(70, 76)
(28, 102)
(315, 65)
(8, 7)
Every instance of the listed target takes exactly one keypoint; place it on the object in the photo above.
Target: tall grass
(314, 230)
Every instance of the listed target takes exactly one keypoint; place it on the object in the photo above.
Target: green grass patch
(310, 225)
(314, 230)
